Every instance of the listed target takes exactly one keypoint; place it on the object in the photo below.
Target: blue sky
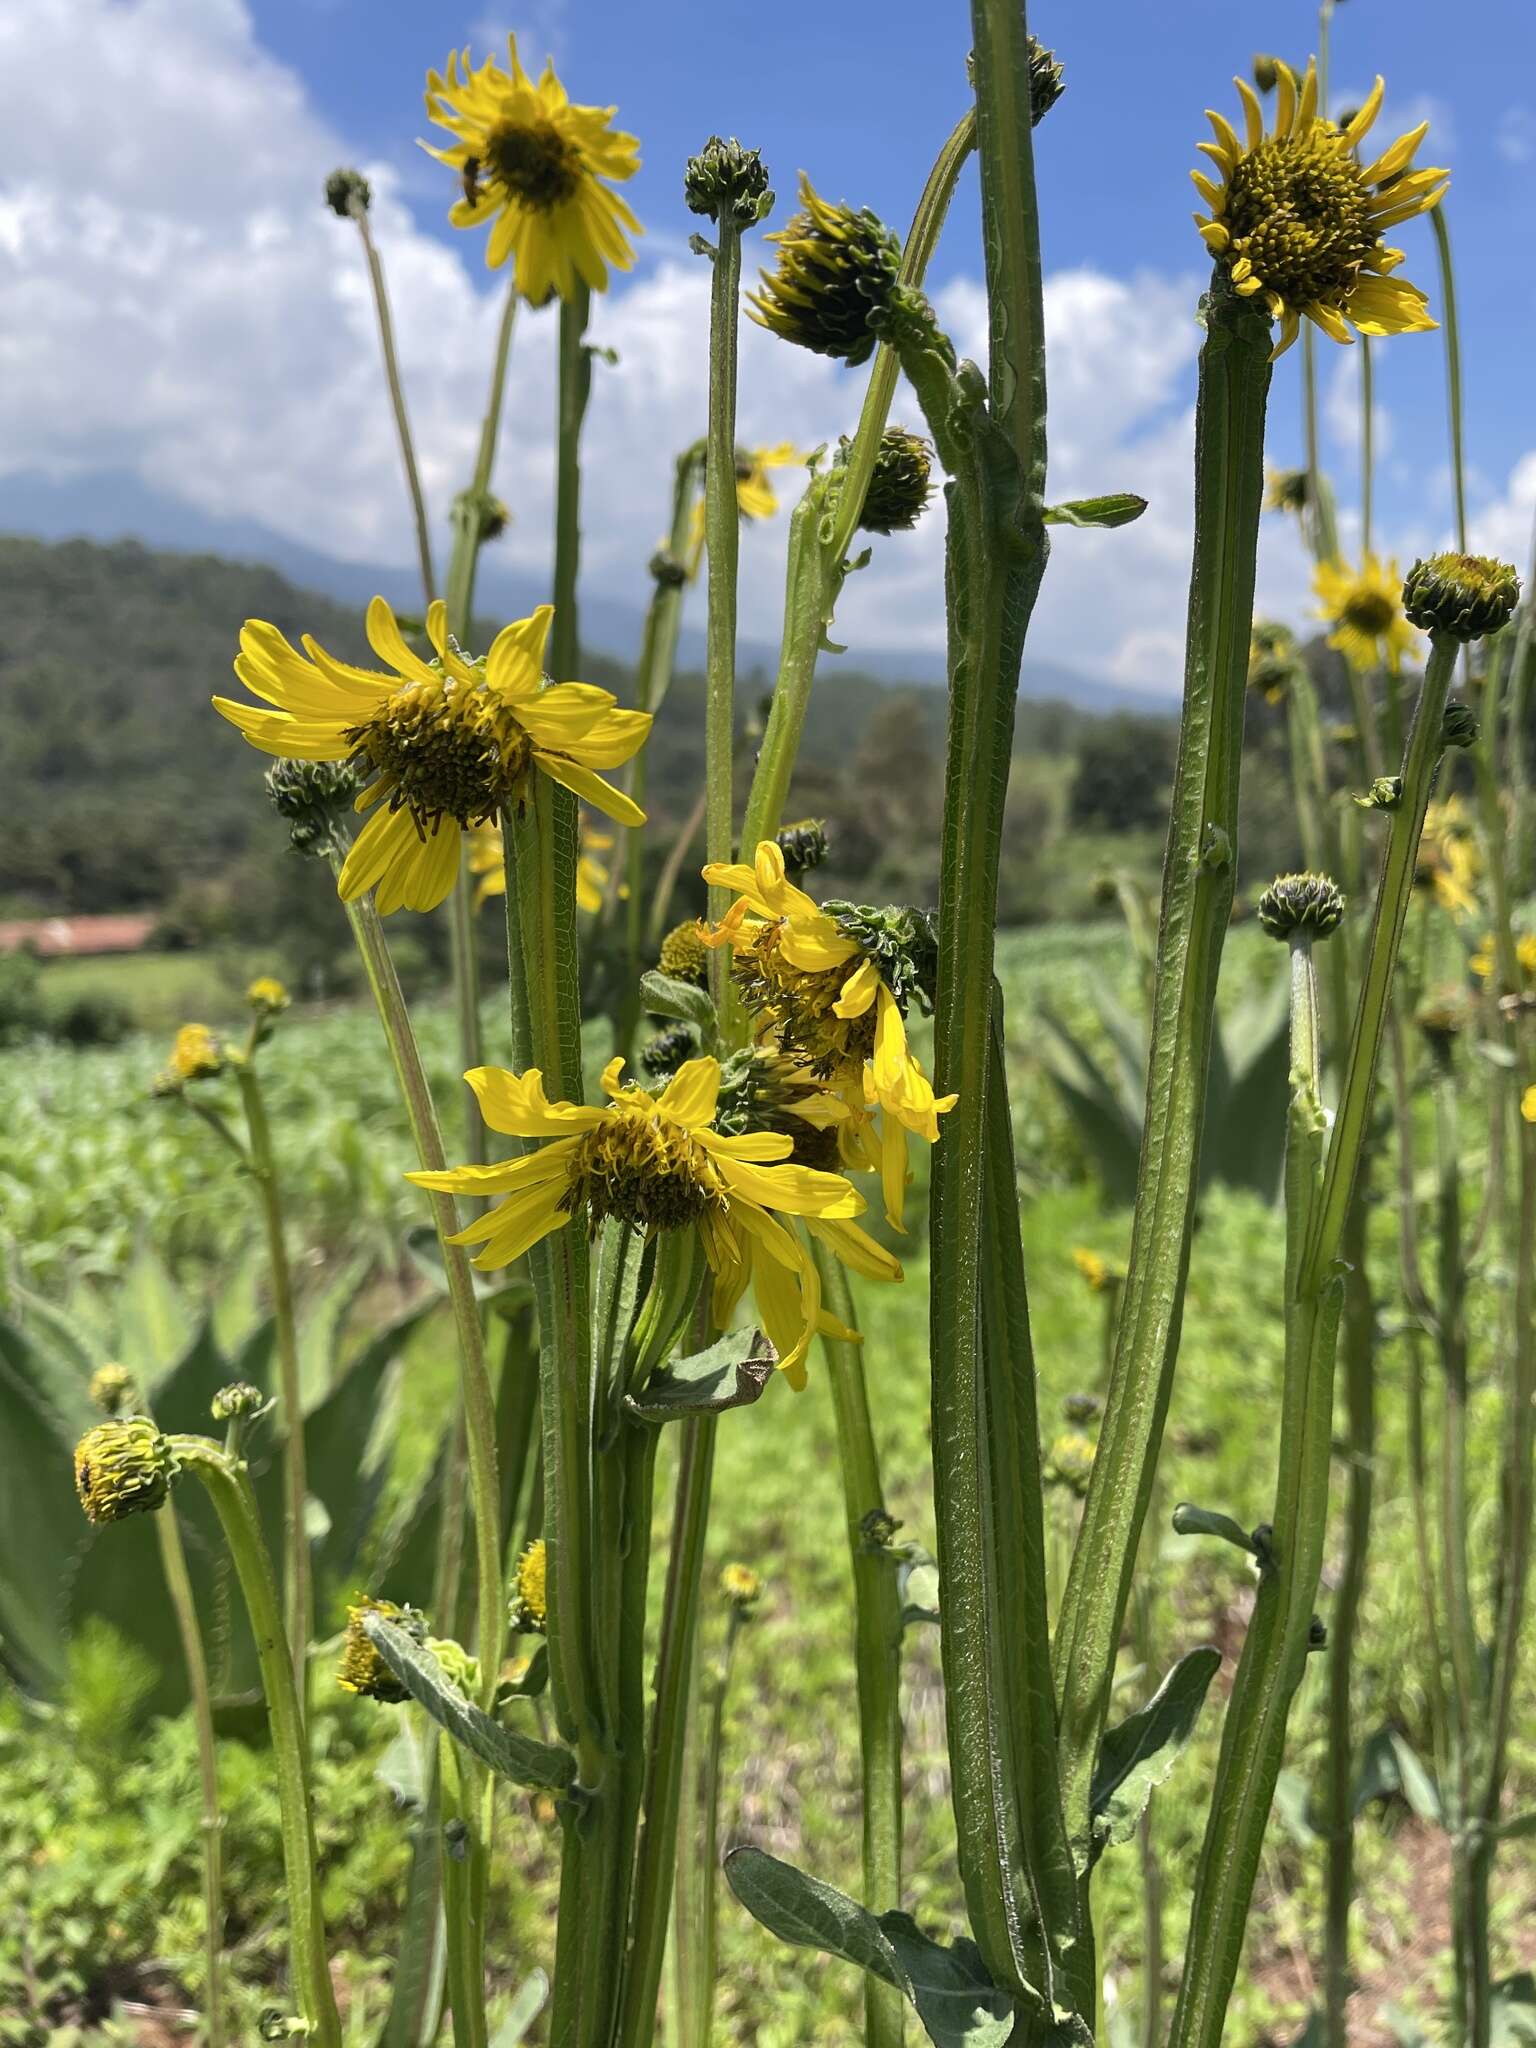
(195, 319)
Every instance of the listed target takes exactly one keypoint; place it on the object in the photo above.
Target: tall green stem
(1452, 369)
(230, 1491)
(297, 1595)
(816, 566)
(397, 401)
(877, 1639)
(575, 389)
(1367, 441)
(1198, 881)
(173, 1561)
(470, 508)
(722, 534)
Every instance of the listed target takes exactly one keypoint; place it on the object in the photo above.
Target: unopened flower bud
(1313, 904)
(1079, 1409)
(741, 1586)
(313, 796)
(112, 1389)
(1463, 596)
(1069, 1463)
(347, 193)
(1046, 82)
(123, 1468)
(1459, 726)
(667, 570)
(1384, 794)
(662, 1055)
(1266, 71)
(239, 1398)
(267, 995)
(360, 1668)
(726, 179)
(683, 954)
(803, 845)
(901, 483)
(836, 273)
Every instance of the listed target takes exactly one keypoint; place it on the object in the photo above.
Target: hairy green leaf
(1117, 508)
(517, 1757)
(1138, 1755)
(663, 995)
(732, 1373)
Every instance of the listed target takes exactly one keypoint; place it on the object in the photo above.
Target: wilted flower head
(901, 484)
(124, 1467)
(1462, 596)
(360, 1668)
(836, 273)
(1311, 904)
(540, 169)
(1297, 220)
(1365, 609)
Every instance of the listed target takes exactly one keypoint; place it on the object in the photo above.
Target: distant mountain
(112, 505)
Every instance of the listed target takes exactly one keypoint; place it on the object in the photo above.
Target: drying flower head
(725, 178)
(113, 1389)
(657, 1163)
(540, 169)
(803, 845)
(360, 1668)
(836, 273)
(1311, 904)
(449, 743)
(1365, 608)
(530, 1589)
(741, 1586)
(1297, 219)
(683, 955)
(123, 1467)
(348, 193)
(901, 484)
(831, 985)
(1463, 596)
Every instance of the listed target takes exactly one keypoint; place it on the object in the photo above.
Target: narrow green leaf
(523, 1761)
(528, 2001)
(663, 995)
(1138, 1755)
(732, 1373)
(1118, 508)
(1188, 1520)
(1419, 1788)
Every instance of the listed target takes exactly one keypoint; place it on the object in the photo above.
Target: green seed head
(803, 845)
(725, 179)
(1463, 596)
(1459, 726)
(901, 484)
(836, 275)
(122, 1468)
(347, 193)
(360, 1668)
(1301, 903)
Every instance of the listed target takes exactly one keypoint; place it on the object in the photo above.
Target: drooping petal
(692, 1095)
(516, 1105)
(602, 796)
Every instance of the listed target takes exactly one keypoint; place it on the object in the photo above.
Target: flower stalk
(722, 533)
(358, 210)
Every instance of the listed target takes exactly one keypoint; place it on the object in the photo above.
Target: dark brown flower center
(643, 1169)
(449, 750)
(1369, 611)
(1297, 209)
(535, 163)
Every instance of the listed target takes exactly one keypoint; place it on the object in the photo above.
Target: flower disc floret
(1297, 220)
(449, 743)
(1464, 596)
(540, 169)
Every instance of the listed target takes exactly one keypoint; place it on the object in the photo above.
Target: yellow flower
(1297, 220)
(267, 993)
(530, 1588)
(196, 1054)
(360, 1668)
(1100, 1275)
(450, 742)
(1365, 608)
(538, 167)
(486, 857)
(740, 1585)
(655, 1163)
(827, 1002)
(755, 496)
(1285, 490)
(1528, 1105)
(1448, 863)
(1069, 1462)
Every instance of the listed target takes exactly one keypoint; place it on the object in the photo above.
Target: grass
(109, 1169)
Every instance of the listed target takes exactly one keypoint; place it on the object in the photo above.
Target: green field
(124, 1210)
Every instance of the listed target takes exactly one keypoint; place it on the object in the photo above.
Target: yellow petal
(793, 1190)
(516, 1105)
(591, 788)
(514, 663)
(856, 1249)
(1365, 116)
(388, 643)
(692, 1095)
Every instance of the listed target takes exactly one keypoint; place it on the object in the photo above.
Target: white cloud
(193, 312)
(1344, 408)
(1515, 136)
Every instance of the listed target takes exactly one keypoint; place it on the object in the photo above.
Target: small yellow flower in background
(540, 169)
(1449, 864)
(530, 1589)
(451, 742)
(1297, 220)
(112, 1388)
(755, 496)
(741, 1585)
(360, 1668)
(1286, 490)
(196, 1055)
(267, 994)
(1099, 1273)
(1069, 1462)
(655, 1163)
(1528, 1105)
(1486, 958)
(1365, 608)
(828, 1004)
(485, 856)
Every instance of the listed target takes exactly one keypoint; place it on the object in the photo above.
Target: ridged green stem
(460, 1793)
(722, 535)
(230, 1492)
(173, 1561)
(467, 514)
(1198, 881)
(877, 1639)
(1452, 328)
(815, 569)
(297, 1593)
(575, 389)
(397, 402)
